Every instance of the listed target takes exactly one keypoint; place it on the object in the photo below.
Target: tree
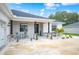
(51, 16)
(60, 15)
(64, 16)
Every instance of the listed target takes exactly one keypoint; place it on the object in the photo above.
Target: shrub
(59, 30)
(63, 37)
(70, 36)
(67, 36)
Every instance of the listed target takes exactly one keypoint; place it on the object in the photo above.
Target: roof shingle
(24, 14)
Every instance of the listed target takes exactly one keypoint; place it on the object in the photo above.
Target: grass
(71, 34)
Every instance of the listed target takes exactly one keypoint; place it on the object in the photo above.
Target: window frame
(22, 25)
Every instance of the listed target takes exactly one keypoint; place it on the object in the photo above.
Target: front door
(36, 28)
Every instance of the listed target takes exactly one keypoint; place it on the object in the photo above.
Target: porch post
(34, 27)
(11, 27)
(48, 27)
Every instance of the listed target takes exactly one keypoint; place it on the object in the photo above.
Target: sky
(44, 9)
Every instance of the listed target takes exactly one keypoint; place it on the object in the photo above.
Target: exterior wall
(58, 25)
(4, 30)
(3, 17)
(45, 27)
(71, 30)
(16, 28)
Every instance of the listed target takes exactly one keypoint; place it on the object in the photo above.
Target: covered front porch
(22, 29)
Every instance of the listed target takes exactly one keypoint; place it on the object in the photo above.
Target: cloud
(18, 7)
(42, 12)
(78, 12)
(57, 4)
(53, 8)
(18, 3)
(68, 11)
(68, 3)
(51, 5)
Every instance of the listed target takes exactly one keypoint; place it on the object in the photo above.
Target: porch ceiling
(31, 19)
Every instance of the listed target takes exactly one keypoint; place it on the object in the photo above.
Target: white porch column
(45, 27)
(50, 26)
(30, 29)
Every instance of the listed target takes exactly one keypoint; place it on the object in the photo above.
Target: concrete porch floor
(43, 47)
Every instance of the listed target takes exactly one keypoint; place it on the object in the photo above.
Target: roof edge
(28, 13)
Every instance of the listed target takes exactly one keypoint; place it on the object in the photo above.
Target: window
(53, 27)
(23, 27)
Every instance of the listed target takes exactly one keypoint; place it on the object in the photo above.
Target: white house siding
(2, 33)
(3, 28)
(57, 24)
(72, 28)
(3, 17)
(30, 30)
(16, 27)
(45, 27)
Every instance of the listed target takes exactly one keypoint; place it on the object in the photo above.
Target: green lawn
(71, 34)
